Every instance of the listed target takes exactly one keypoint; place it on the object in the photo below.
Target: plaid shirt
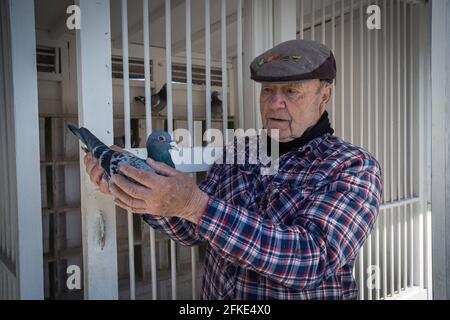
(292, 235)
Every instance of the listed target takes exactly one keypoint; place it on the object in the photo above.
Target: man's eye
(292, 91)
(267, 90)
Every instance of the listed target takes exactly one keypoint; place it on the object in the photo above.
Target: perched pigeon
(216, 104)
(159, 100)
(158, 145)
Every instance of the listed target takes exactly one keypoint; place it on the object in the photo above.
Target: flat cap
(294, 60)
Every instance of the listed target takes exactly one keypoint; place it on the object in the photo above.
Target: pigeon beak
(173, 145)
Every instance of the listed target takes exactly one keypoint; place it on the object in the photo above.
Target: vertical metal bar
(405, 158)
(208, 65)
(377, 152)
(411, 144)
(333, 48)
(369, 131)
(148, 123)
(342, 106)
(312, 24)
(385, 133)
(127, 123)
(190, 118)
(351, 69)
(148, 95)
(421, 131)
(168, 13)
(126, 77)
(361, 71)
(189, 71)
(361, 81)
(323, 21)
(391, 151)
(168, 18)
(302, 18)
(240, 82)
(398, 107)
(223, 21)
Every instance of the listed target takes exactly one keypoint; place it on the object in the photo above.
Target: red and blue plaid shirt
(292, 235)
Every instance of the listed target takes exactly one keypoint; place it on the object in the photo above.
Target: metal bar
(168, 13)
(169, 65)
(208, 66)
(342, 106)
(361, 81)
(377, 152)
(391, 153)
(190, 118)
(405, 158)
(189, 72)
(148, 95)
(361, 72)
(127, 128)
(301, 20)
(312, 24)
(126, 76)
(398, 107)
(384, 269)
(148, 123)
(351, 69)
(240, 82)
(333, 48)
(223, 21)
(323, 21)
(411, 143)
(421, 130)
(369, 140)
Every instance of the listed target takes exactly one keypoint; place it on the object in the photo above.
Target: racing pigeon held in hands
(158, 145)
(159, 100)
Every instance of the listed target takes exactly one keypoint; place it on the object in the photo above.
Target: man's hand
(169, 193)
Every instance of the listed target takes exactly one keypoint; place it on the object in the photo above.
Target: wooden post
(96, 113)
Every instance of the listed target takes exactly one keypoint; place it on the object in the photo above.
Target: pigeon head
(158, 144)
(215, 95)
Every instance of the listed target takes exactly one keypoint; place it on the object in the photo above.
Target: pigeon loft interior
(133, 67)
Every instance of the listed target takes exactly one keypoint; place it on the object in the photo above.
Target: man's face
(293, 108)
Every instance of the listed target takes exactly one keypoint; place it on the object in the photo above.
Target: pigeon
(159, 100)
(216, 104)
(158, 145)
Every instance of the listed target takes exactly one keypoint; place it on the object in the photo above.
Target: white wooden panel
(98, 211)
(25, 219)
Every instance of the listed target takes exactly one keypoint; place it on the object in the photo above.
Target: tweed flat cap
(294, 61)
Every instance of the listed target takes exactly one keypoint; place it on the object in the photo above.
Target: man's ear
(327, 92)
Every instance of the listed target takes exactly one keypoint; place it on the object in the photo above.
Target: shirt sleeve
(328, 230)
(182, 230)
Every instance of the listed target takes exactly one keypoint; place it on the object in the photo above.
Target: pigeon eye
(161, 138)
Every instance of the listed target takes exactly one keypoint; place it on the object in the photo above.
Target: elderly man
(291, 235)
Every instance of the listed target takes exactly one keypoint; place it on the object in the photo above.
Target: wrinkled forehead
(297, 84)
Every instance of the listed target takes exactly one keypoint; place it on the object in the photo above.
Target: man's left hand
(170, 193)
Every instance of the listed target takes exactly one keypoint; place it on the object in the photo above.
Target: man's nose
(278, 101)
